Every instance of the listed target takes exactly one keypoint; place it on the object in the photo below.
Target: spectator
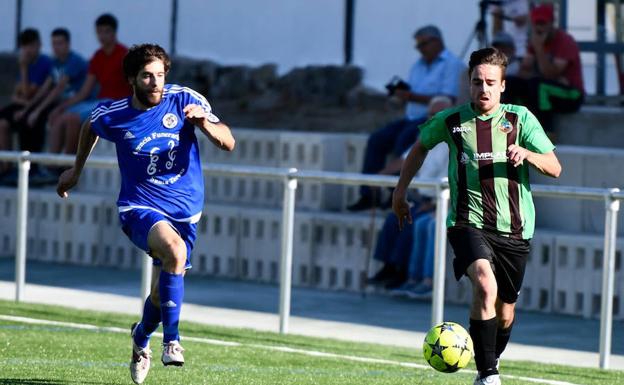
(550, 78)
(66, 77)
(105, 71)
(419, 282)
(436, 72)
(512, 16)
(505, 43)
(34, 69)
(393, 246)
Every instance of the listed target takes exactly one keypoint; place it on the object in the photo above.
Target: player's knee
(485, 289)
(505, 318)
(173, 252)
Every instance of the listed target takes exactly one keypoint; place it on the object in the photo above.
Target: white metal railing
(289, 177)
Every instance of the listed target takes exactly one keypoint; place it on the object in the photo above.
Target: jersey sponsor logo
(170, 120)
(464, 159)
(498, 155)
(505, 126)
(129, 135)
(461, 129)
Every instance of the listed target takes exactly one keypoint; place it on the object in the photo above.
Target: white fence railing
(290, 177)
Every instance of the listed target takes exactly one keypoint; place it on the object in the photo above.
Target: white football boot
(172, 354)
(141, 359)
(493, 379)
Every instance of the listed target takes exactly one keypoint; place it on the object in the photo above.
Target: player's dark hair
(488, 55)
(61, 32)
(108, 20)
(139, 56)
(28, 36)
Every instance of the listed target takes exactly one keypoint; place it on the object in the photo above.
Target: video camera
(396, 83)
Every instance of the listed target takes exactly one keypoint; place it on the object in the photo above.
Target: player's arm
(69, 178)
(412, 164)
(218, 133)
(547, 163)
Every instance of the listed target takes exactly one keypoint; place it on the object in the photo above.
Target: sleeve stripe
(96, 115)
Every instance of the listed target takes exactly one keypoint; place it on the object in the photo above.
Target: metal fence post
(439, 266)
(612, 206)
(23, 166)
(146, 278)
(288, 216)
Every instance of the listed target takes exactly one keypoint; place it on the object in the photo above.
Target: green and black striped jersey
(487, 191)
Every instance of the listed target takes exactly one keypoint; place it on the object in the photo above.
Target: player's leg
(473, 256)
(151, 313)
(505, 313)
(483, 322)
(166, 244)
(510, 260)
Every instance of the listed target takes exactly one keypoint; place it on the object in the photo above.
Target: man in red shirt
(105, 71)
(550, 78)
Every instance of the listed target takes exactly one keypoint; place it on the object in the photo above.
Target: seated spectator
(505, 43)
(512, 17)
(105, 71)
(550, 78)
(436, 72)
(419, 282)
(394, 247)
(66, 77)
(34, 69)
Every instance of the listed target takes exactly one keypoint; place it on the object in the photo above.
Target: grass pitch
(33, 353)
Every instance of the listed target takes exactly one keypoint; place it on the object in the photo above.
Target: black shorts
(508, 257)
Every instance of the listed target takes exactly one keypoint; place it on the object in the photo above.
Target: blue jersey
(157, 153)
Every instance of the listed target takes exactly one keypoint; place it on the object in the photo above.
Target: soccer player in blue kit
(162, 187)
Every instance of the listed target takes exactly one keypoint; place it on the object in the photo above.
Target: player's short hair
(63, 32)
(488, 55)
(28, 36)
(107, 20)
(139, 56)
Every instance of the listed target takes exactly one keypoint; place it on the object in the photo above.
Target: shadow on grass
(37, 381)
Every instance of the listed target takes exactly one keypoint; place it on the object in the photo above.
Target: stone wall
(313, 98)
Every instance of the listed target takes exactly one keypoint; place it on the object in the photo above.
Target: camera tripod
(480, 30)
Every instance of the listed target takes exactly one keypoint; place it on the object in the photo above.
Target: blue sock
(149, 323)
(171, 288)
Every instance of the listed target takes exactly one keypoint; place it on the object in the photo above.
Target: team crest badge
(170, 120)
(505, 126)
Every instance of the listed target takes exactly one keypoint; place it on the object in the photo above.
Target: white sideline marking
(284, 349)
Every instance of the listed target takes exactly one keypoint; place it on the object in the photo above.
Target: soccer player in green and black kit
(491, 215)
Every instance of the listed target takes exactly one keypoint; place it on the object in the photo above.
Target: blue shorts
(137, 223)
(84, 108)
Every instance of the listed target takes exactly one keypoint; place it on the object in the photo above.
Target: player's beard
(149, 98)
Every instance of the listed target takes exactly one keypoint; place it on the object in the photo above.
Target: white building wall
(289, 33)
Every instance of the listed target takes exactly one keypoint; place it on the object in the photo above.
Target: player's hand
(195, 114)
(66, 182)
(517, 154)
(401, 209)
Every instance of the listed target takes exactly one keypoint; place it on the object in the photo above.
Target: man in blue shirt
(162, 188)
(436, 72)
(34, 68)
(68, 72)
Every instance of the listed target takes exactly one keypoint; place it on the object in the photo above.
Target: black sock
(483, 333)
(502, 338)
